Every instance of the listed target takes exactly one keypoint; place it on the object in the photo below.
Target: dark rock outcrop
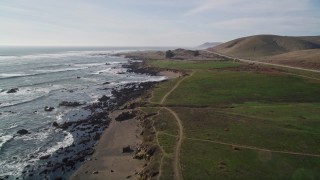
(127, 149)
(23, 132)
(13, 90)
(70, 104)
(48, 108)
(44, 157)
(104, 98)
(55, 124)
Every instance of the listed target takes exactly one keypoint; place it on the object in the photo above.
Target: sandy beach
(109, 161)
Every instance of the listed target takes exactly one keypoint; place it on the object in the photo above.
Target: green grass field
(213, 88)
(166, 130)
(217, 107)
(212, 161)
(162, 89)
(192, 65)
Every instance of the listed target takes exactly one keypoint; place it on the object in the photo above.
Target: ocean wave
(5, 75)
(59, 55)
(41, 72)
(59, 70)
(73, 116)
(67, 141)
(13, 75)
(103, 71)
(4, 139)
(12, 168)
(40, 136)
(87, 65)
(112, 70)
(11, 126)
(23, 97)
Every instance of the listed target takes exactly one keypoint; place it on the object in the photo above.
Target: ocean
(46, 76)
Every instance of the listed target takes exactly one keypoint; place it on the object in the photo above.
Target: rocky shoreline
(86, 132)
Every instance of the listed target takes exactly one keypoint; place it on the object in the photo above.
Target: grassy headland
(239, 122)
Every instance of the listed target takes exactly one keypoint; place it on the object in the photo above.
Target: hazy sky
(151, 22)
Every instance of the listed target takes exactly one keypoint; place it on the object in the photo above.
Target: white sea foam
(59, 70)
(67, 141)
(4, 139)
(89, 64)
(115, 62)
(73, 116)
(103, 71)
(39, 136)
(61, 55)
(11, 126)
(23, 95)
(14, 168)
(7, 75)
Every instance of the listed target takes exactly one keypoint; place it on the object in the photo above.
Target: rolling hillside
(305, 58)
(267, 45)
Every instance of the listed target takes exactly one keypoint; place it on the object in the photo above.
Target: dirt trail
(256, 148)
(161, 148)
(168, 93)
(177, 166)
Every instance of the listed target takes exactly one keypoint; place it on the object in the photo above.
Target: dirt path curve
(248, 147)
(264, 63)
(161, 148)
(168, 93)
(255, 148)
(177, 166)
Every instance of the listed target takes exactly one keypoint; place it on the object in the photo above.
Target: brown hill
(267, 45)
(305, 58)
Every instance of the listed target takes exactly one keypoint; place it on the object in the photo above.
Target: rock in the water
(45, 157)
(95, 172)
(72, 104)
(48, 108)
(23, 132)
(104, 98)
(13, 90)
(55, 124)
(127, 149)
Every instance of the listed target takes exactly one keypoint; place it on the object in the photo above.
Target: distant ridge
(208, 45)
(267, 45)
